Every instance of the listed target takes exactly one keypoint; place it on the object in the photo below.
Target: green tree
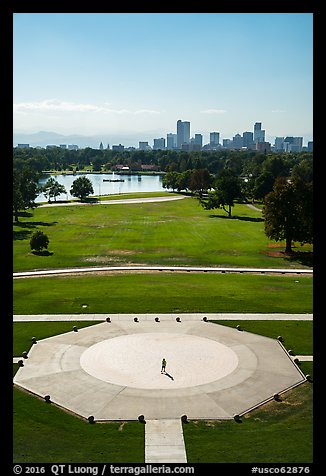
(278, 166)
(39, 241)
(25, 190)
(303, 170)
(171, 180)
(200, 181)
(17, 202)
(97, 164)
(52, 189)
(81, 188)
(263, 184)
(288, 211)
(227, 188)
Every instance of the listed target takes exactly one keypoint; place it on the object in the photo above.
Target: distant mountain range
(44, 138)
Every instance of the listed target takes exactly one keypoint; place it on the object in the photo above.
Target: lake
(131, 183)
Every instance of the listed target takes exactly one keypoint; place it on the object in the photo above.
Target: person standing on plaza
(163, 365)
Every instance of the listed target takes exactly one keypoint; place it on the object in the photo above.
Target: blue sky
(128, 75)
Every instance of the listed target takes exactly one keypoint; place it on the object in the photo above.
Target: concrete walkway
(197, 269)
(304, 358)
(164, 441)
(162, 317)
(114, 202)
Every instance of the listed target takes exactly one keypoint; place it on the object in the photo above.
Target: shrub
(39, 241)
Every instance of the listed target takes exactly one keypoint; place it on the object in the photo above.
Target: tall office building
(183, 133)
(214, 139)
(159, 143)
(248, 139)
(171, 141)
(293, 144)
(237, 142)
(198, 140)
(279, 143)
(259, 133)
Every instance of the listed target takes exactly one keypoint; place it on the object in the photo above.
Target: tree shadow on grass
(21, 234)
(305, 258)
(235, 217)
(24, 214)
(42, 253)
(33, 224)
(89, 200)
(24, 234)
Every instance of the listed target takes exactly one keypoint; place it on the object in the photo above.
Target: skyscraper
(159, 143)
(248, 140)
(183, 133)
(171, 141)
(214, 138)
(259, 133)
(198, 140)
(279, 143)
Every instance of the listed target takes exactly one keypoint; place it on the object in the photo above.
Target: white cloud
(55, 105)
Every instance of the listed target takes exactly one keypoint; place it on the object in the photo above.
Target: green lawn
(171, 233)
(163, 292)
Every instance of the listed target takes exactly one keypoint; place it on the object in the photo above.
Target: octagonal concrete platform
(112, 371)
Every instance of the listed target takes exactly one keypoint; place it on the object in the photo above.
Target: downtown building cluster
(254, 140)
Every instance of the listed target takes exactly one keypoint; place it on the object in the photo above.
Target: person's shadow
(168, 375)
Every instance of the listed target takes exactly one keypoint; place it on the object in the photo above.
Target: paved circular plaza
(112, 371)
(191, 360)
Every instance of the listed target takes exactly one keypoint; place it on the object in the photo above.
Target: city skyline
(180, 139)
(121, 76)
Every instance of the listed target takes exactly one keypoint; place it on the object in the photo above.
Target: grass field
(177, 232)
(163, 292)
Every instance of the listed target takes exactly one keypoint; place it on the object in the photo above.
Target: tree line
(241, 162)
